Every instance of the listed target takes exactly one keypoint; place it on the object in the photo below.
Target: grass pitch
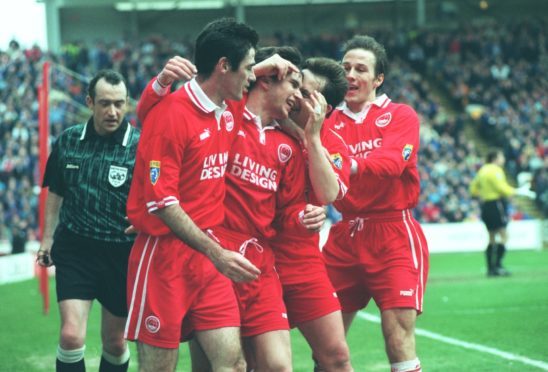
(470, 322)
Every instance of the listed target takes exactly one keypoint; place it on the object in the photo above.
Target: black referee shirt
(93, 175)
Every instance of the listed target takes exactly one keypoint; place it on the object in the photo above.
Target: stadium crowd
(496, 72)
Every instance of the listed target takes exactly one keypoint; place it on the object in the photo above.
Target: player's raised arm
(176, 69)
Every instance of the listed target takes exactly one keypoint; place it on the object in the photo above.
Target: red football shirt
(182, 157)
(265, 174)
(298, 256)
(384, 140)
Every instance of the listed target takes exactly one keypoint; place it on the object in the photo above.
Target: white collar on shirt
(201, 100)
(257, 120)
(381, 101)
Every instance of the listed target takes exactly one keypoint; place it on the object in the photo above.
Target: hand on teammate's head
(177, 69)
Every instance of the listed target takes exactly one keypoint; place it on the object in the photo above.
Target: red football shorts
(310, 300)
(168, 280)
(308, 293)
(383, 256)
(261, 301)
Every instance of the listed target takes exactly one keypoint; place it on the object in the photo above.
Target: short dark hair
(289, 53)
(369, 43)
(112, 77)
(224, 37)
(492, 155)
(336, 84)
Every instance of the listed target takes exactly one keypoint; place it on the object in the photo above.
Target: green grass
(508, 314)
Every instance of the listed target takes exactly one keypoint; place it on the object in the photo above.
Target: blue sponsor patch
(407, 151)
(154, 171)
(337, 160)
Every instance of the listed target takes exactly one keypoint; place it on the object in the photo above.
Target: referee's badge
(154, 171)
(117, 175)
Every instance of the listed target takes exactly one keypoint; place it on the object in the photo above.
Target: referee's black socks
(501, 250)
(491, 256)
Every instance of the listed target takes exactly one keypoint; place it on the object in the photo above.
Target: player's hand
(526, 191)
(315, 108)
(235, 266)
(43, 257)
(130, 230)
(274, 65)
(177, 68)
(313, 217)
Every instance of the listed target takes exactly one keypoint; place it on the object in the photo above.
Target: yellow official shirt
(490, 183)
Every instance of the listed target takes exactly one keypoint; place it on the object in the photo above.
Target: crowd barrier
(442, 238)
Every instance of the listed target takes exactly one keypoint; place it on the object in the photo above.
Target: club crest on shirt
(229, 121)
(337, 160)
(284, 152)
(407, 151)
(117, 175)
(383, 120)
(154, 171)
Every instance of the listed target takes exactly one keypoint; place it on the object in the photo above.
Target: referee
(491, 187)
(88, 174)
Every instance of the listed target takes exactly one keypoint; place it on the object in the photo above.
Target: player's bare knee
(276, 366)
(336, 356)
(340, 357)
(240, 365)
(233, 362)
(115, 346)
(72, 337)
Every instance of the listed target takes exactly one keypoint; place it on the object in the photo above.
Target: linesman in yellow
(493, 190)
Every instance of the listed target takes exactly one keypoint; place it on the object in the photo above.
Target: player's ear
(89, 102)
(223, 65)
(378, 80)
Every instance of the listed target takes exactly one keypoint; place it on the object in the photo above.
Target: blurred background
(476, 72)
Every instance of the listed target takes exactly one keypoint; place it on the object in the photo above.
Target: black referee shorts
(88, 269)
(494, 214)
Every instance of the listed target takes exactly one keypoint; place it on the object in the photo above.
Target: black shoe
(493, 272)
(501, 271)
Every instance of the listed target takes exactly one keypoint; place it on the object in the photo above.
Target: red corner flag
(43, 132)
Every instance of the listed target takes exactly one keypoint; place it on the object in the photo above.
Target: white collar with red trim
(381, 101)
(248, 115)
(201, 100)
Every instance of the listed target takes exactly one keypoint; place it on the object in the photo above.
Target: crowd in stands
(500, 70)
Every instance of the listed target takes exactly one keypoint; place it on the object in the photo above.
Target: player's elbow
(328, 197)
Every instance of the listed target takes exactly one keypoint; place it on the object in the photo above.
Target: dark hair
(224, 37)
(112, 77)
(289, 53)
(336, 84)
(492, 155)
(369, 43)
